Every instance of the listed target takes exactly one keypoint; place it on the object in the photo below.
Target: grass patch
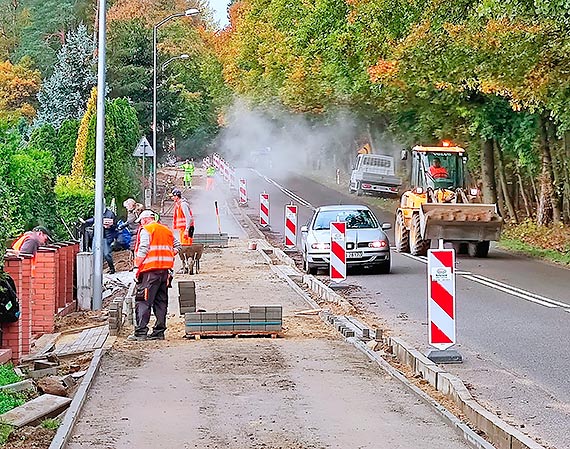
(10, 400)
(5, 431)
(527, 249)
(51, 423)
(7, 375)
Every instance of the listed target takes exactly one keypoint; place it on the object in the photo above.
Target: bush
(75, 198)
(10, 400)
(66, 139)
(8, 375)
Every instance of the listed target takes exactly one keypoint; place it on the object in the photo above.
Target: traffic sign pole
(441, 305)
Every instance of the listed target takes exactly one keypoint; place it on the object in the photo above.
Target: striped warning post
(264, 209)
(290, 226)
(242, 192)
(441, 298)
(338, 251)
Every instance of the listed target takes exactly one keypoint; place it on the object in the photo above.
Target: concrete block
(35, 411)
(225, 316)
(429, 371)
(241, 316)
(43, 364)
(209, 317)
(496, 430)
(245, 326)
(5, 355)
(23, 385)
(193, 317)
(36, 374)
(274, 327)
(188, 309)
(271, 315)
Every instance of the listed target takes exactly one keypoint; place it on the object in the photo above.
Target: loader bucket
(463, 222)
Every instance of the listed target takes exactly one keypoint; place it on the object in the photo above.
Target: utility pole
(99, 165)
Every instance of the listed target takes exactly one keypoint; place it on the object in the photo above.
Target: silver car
(367, 244)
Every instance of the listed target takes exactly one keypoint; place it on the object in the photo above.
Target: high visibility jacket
(160, 255)
(179, 219)
(438, 172)
(210, 171)
(18, 243)
(188, 168)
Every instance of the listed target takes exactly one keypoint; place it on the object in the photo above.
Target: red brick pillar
(25, 295)
(12, 332)
(44, 290)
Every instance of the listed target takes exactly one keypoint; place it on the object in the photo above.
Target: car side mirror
(404, 155)
(386, 226)
(304, 229)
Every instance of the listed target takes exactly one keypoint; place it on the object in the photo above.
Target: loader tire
(402, 235)
(418, 246)
(479, 249)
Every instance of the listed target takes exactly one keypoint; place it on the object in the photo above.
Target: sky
(220, 14)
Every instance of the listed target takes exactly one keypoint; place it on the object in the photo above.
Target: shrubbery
(75, 198)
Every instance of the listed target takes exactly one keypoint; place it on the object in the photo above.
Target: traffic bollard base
(446, 356)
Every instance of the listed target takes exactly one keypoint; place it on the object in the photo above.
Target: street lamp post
(188, 13)
(174, 58)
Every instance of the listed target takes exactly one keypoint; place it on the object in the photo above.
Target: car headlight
(378, 244)
(321, 246)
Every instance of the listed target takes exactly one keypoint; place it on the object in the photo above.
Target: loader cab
(438, 168)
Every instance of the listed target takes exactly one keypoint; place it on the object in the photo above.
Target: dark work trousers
(151, 294)
(107, 254)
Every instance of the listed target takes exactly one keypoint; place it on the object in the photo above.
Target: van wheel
(402, 234)
(359, 191)
(418, 246)
(479, 249)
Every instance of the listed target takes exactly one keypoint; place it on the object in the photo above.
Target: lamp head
(191, 12)
(184, 56)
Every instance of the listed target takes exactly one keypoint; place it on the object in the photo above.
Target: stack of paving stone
(187, 296)
(258, 320)
(116, 316)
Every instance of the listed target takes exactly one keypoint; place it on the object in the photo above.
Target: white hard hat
(145, 214)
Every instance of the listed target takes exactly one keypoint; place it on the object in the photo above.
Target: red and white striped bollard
(264, 209)
(441, 298)
(290, 226)
(338, 251)
(242, 192)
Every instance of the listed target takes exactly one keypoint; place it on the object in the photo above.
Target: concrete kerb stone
(64, 430)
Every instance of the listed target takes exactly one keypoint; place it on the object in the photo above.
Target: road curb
(70, 418)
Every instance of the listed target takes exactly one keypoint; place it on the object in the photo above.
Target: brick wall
(48, 292)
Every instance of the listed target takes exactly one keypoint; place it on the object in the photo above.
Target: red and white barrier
(290, 226)
(242, 192)
(264, 209)
(441, 298)
(338, 251)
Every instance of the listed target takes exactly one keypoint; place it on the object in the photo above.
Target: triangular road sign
(143, 148)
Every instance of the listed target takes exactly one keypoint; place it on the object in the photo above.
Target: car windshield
(355, 219)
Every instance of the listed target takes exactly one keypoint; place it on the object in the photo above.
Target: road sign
(338, 251)
(264, 209)
(290, 226)
(441, 298)
(242, 192)
(143, 148)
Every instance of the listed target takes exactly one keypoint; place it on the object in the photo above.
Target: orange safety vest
(160, 255)
(178, 219)
(438, 172)
(18, 243)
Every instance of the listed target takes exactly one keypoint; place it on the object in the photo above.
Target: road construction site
(326, 381)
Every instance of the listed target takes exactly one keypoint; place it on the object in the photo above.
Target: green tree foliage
(64, 94)
(66, 140)
(122, 134)
(75, 198)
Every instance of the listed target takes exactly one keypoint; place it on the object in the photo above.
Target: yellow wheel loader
(441, 206)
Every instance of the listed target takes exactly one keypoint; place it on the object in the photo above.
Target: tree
(64, 94)
(19, 85)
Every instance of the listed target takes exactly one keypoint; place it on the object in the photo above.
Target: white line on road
(501, 286)
(285, 191)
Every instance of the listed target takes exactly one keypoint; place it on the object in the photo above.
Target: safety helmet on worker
(176, 192)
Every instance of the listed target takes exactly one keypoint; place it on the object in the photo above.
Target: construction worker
(109, 235)
(156, 247)
(436, 170)
(183, 219)
(29, 243)
(188, 167)
(210, 173)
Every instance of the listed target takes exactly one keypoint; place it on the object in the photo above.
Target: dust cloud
(274, 140)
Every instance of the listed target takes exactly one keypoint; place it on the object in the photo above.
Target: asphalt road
(513, 315)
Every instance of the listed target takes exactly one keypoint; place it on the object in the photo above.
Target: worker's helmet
(176, 192)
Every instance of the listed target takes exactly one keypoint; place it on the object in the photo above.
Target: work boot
(156, 337)
(137, 338)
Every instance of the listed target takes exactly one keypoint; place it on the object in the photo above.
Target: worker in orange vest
(183, 219)
(154, 259)
(436, 170)
(30, 241)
